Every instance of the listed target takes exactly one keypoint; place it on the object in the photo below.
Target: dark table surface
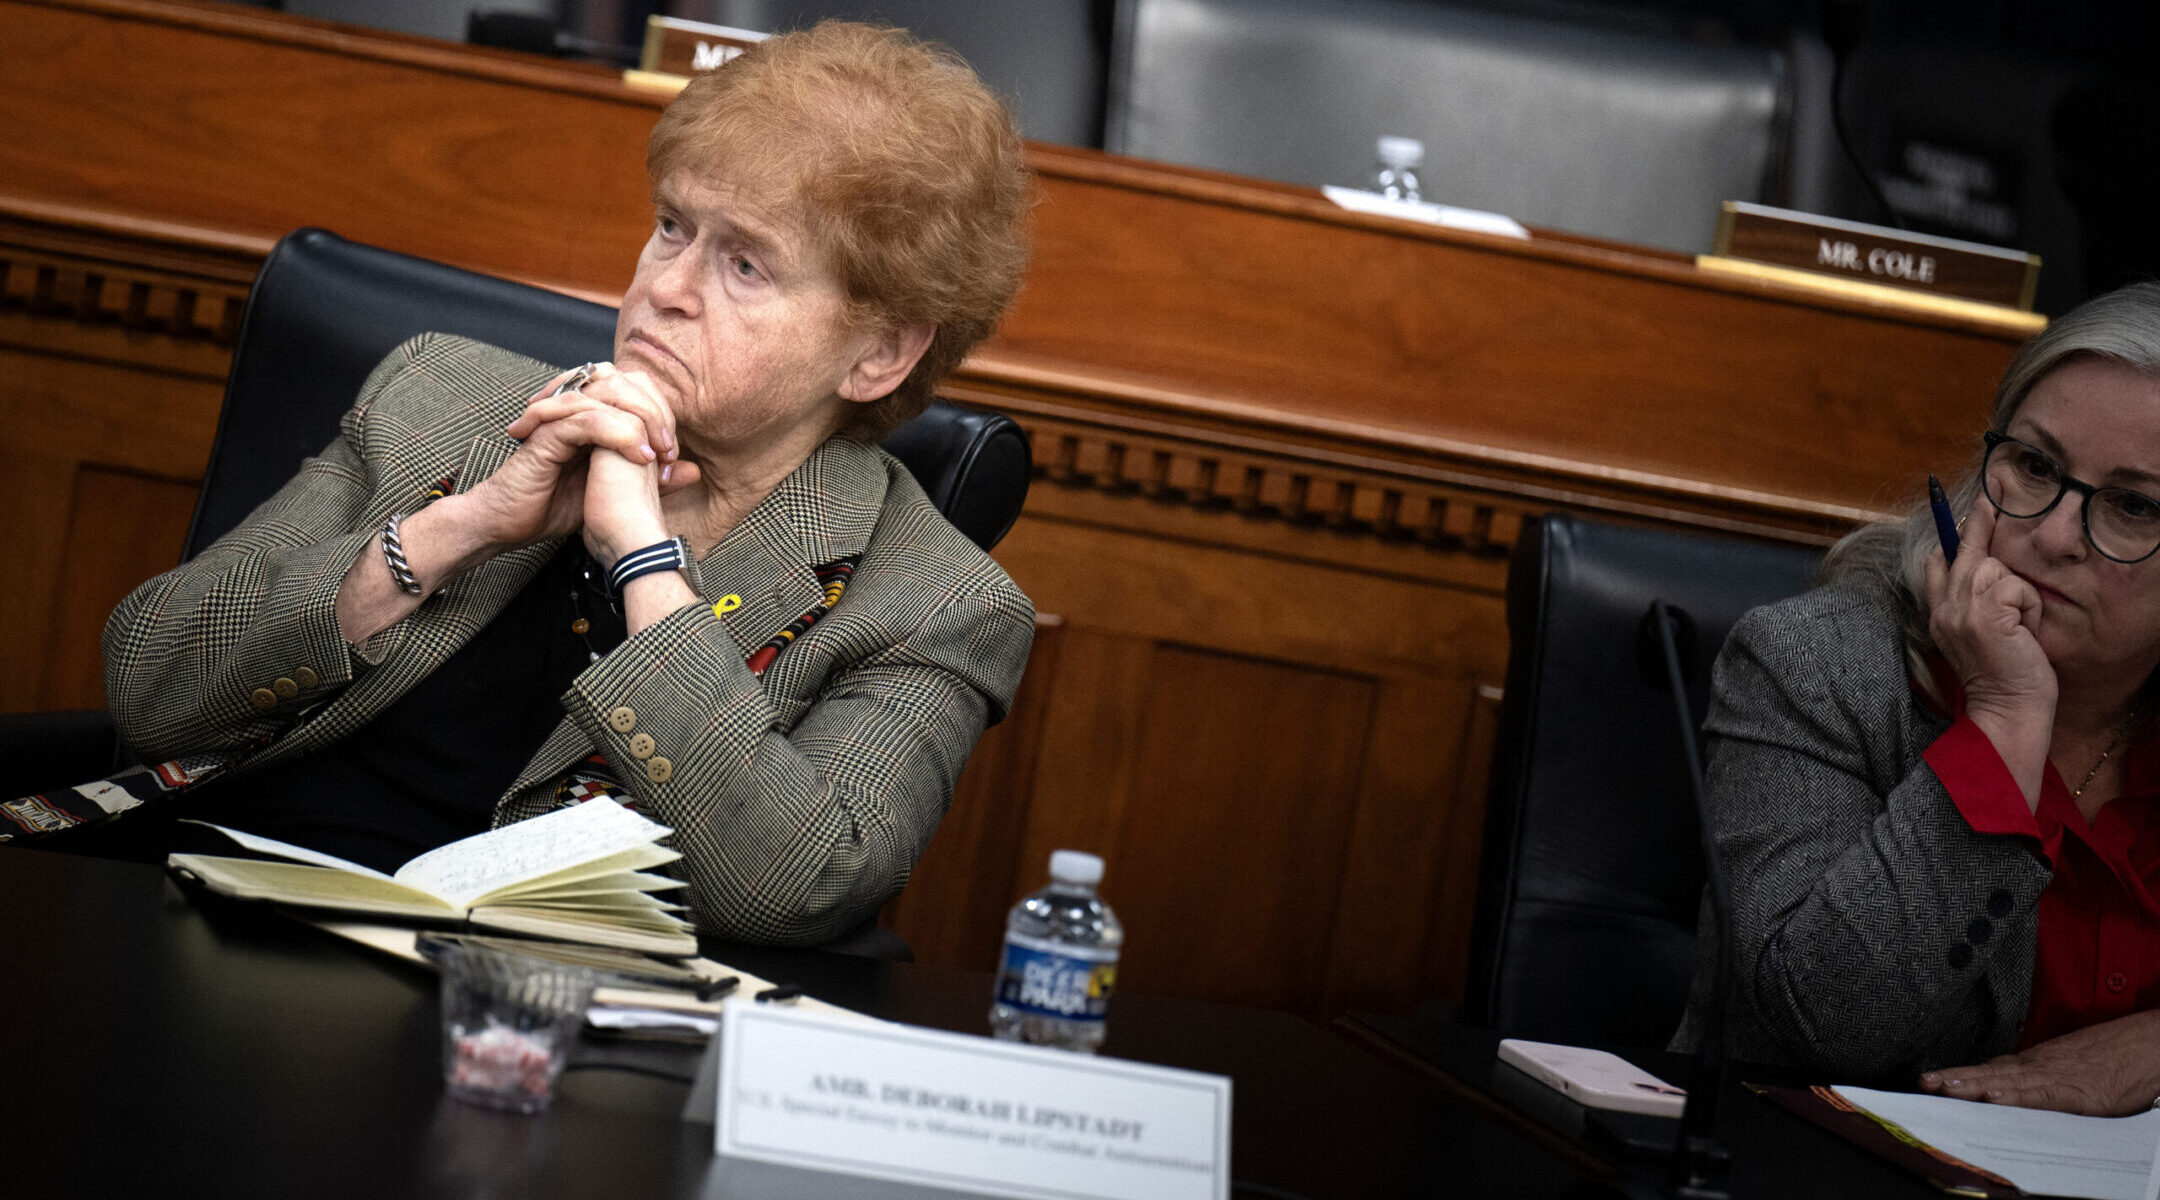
(1773, 1154)
(152, 1043)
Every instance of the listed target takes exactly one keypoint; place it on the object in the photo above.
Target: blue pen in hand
(1945, 523)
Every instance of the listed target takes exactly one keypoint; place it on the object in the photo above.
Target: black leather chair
(1592, 874)
(1615, 127)
(325, 310)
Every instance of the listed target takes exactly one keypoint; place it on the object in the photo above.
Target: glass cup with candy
(509, 1020)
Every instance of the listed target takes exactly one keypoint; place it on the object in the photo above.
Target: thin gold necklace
(2121, 731)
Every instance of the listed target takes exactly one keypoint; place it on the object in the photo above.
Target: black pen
(1945, 523)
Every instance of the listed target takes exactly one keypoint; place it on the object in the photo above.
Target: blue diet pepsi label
(1052, 979)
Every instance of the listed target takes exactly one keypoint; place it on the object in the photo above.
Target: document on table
(2044, 1153)
(1419, 210)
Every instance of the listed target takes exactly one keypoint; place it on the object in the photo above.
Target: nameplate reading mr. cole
(942, 1113)
(1872, 254)
(674, 46)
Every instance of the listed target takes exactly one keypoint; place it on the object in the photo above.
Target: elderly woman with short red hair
(687, 578)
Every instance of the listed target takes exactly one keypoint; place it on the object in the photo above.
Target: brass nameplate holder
(682, 48)
(1871, 254)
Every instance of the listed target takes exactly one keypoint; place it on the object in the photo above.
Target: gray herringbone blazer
(800, 800)
(1875, 934)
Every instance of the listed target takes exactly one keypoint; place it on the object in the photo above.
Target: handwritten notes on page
(465, 870)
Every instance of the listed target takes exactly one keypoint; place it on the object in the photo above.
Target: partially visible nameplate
(1873, 254)
(674, 46)
(811, 1106)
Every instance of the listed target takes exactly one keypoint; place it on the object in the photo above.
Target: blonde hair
(907, 171)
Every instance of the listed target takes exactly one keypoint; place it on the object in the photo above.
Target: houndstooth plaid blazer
(800, 800)
(1875, 934)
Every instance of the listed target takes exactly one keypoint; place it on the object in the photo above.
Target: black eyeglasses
(2023, 481)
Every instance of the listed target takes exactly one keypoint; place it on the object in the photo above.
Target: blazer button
(1999, 903)
(306, 677)
(263, 698)
(285, 688)
(642, 745)
(1977, 932)
(622, 720)
(2117, 982)
(1961, 956)
(659, 770)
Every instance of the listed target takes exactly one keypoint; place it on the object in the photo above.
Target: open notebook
(578, 874)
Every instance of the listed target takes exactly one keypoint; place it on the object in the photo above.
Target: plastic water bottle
(1061, 952)
(1400, 160)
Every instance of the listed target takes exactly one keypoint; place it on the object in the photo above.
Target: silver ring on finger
(577, 379)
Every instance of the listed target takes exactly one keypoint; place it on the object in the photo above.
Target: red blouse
(2099, 949)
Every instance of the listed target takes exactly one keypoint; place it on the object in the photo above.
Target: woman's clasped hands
(596, 459)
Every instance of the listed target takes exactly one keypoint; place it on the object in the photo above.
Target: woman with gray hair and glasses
(1936, 781)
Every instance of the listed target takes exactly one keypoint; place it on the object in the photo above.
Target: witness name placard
(1872, 254)
(674, 46)
(809, 1105)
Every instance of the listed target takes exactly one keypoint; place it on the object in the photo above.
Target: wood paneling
(1412, 807)
(115, 352)
(226, 119)
(1234, 901)
(118, 521)
(1281, 451)
(1223, 710)
(38, 491)
(974, 861)
(1086, 769)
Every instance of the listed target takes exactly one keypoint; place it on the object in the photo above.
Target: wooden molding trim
(134, 239)
(1281, 488)
(1374, 472)
(190, 294)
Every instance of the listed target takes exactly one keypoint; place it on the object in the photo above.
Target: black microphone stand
(1700, 1162)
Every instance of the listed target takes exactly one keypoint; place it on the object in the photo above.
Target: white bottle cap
(1076, 866)
(1401, 152)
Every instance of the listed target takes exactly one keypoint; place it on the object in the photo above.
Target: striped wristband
(670, 555)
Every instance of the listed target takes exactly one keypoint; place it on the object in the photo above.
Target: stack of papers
(2044, 1153)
